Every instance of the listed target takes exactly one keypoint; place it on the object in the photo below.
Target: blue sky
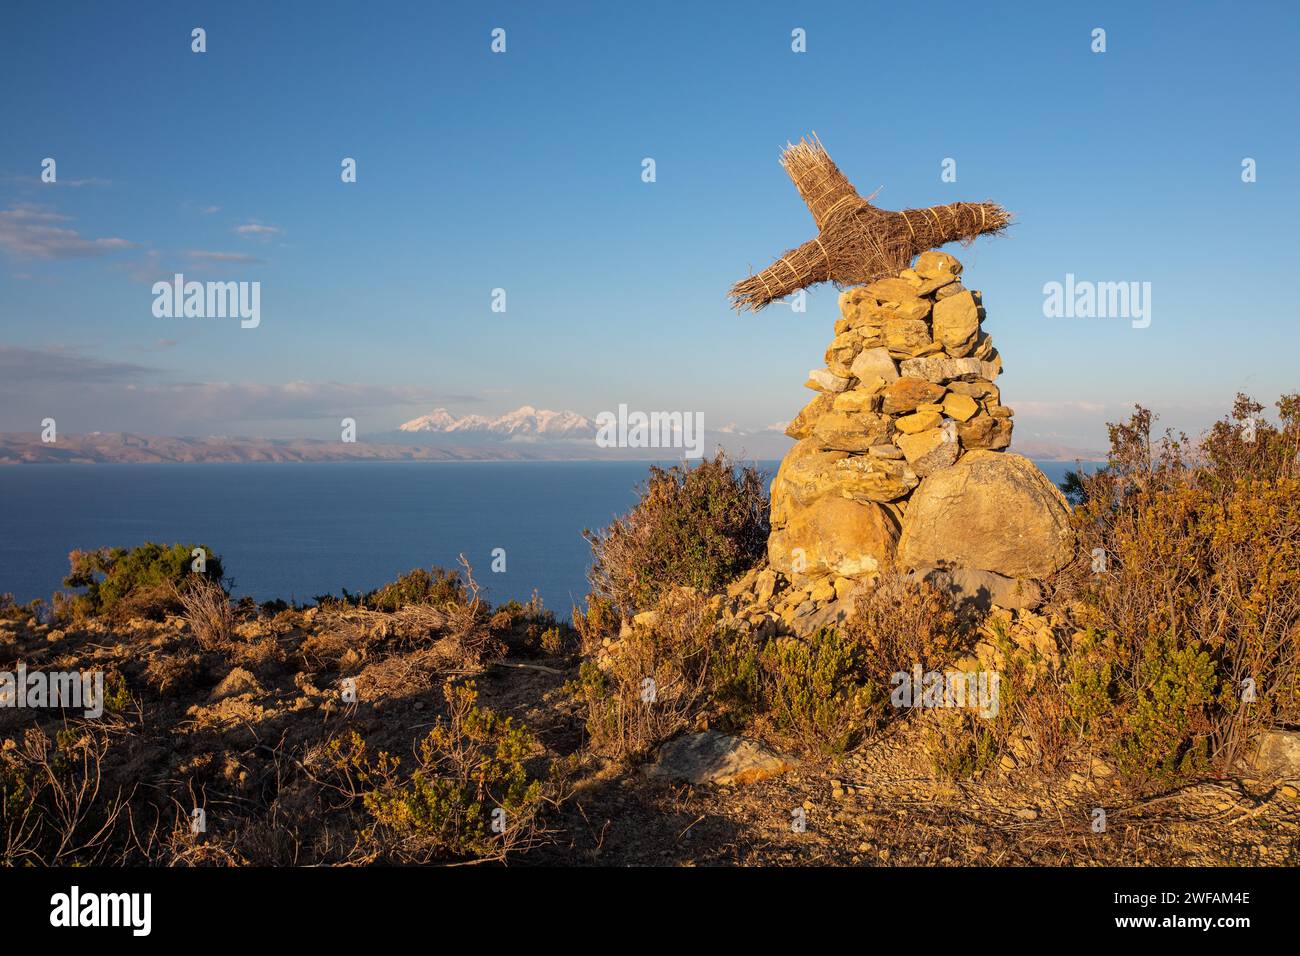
(523, 171)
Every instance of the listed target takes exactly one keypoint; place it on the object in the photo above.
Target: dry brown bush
(656, 680)
(699, 527)
(903, 623)
(455, 636)
(176, 671)
(1193, 595)
(207, 611)
(55, 806)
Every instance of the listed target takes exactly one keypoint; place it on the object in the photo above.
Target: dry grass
(207, 610)
(57, 809)
(455, 636)
(654, 682)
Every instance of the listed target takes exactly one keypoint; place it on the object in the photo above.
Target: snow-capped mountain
(438, 420)
(525, 422)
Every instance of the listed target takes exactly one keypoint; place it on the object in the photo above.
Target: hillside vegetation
(418, 724)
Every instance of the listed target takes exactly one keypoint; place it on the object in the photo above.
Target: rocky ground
(230, 728)
(868, 810)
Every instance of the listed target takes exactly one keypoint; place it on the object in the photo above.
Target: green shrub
(143, 581)
(737, 679)
(10, 610)
(1197, 594)
(1170, 717)
(554, 641)
(1089, 682)
(470, 793)
(596, 623)
(530, 628)
(815, 689)
(959, 743)
(826, 692)
(698, 526)
(437, 587)
(117, 698)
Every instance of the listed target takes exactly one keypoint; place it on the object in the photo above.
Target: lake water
(294, 531)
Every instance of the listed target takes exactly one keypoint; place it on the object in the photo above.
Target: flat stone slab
(712, 757)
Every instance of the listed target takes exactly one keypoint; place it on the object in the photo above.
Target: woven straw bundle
(857, 243)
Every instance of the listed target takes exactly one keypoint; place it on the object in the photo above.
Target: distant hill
(556, 441)
(1053, 451)
(105, 447)
(120, 447)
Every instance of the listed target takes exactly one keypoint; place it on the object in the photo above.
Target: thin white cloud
(147, 268)
(257, 230)
(61, 367)
(111, 395)
(32, 232)
(35, 180)
(252, 401)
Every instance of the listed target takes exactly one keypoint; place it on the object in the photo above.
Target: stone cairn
(900, 461)
(900, 464)
(907, 389)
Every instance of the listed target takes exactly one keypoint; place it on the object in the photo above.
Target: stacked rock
(906, 392)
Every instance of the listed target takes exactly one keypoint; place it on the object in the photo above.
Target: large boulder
(991, 511)
(804, 476)
(808, 472)
(872, 478)
(833, 535)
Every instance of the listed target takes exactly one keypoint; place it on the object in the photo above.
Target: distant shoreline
(1084, 459)
(119, 448)
(396, 461)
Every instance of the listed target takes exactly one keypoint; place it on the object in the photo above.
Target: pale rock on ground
(716, 758)
(1277, 754)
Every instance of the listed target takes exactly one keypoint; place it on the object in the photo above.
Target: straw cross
(856, 242)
